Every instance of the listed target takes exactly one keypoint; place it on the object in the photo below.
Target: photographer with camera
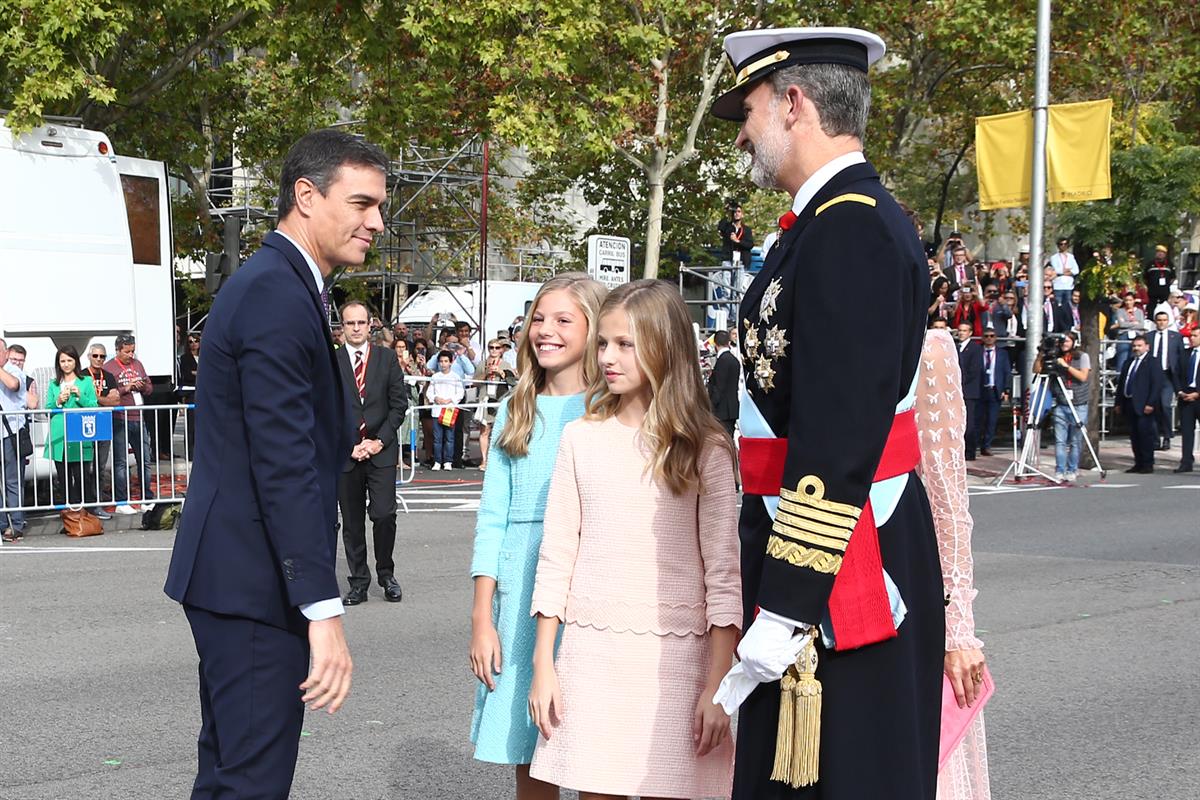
(1059, 358)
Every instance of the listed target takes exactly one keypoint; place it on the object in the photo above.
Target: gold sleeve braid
(806, 518)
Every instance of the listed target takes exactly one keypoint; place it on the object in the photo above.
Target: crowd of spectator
(986, 305)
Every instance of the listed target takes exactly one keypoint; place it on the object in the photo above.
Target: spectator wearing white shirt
(13, 397)
(1065, 270)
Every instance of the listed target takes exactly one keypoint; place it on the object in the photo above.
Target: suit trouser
(1162, 414)
(1187, 429)
(1142, 433)
(250, 709)
(988, 414)
(363, 490)
(971, 435)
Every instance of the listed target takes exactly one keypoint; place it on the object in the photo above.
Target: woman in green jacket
(73, 460)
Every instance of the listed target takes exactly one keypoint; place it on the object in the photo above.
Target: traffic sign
(608, 259)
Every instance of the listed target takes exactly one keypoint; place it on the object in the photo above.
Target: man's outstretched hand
(328, 681)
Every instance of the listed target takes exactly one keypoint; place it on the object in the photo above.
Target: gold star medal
(764, 373)
(767, 307)
(751, 340)
(775, 344)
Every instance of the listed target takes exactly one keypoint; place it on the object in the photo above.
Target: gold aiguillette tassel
(784, 733)
(798, 737)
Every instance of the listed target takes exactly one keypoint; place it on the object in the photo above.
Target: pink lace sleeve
(941, 420)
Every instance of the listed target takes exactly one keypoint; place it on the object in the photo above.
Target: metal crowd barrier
(48, 484)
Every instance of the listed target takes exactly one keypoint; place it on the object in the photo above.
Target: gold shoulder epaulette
(850, 197)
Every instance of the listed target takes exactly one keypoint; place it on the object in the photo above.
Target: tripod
(1040, 402)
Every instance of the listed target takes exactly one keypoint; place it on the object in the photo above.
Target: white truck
(85, 248)
(506, 300)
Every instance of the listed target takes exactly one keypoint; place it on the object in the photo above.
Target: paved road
(1089, 600)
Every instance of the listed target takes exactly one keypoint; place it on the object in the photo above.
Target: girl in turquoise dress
(553, 375)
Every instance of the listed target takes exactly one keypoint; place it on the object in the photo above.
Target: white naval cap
(757, 53)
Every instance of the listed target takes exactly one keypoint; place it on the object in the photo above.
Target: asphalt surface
(1088, 606)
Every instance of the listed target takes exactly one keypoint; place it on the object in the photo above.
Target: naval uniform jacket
(833, 393)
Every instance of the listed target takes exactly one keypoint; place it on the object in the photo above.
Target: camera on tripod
(1051, 351)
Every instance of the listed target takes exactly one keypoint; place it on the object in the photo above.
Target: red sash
(858, 606)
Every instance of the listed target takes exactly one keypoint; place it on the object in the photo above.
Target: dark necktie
(360, 380)
(325, 302)
(1129, 378)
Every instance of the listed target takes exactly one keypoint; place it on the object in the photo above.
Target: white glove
(770, 646)
(767, 650)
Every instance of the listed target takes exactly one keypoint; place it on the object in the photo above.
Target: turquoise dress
(508, 535)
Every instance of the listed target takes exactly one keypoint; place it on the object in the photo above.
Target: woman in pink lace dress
(941, 420)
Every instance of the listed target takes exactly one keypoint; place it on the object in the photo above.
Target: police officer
(835, 524)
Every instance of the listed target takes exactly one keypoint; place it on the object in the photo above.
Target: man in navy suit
(1166, 348)
(1139, 391)
(997, 384)
(254, 558)
(1188, 381)
(970, 363)
(723, 383)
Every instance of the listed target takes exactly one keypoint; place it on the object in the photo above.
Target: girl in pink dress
(639, 565)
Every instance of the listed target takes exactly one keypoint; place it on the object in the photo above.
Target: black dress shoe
(391, 589)
(355, 596)
(987, 451)
(1182, 468)
(1146, 470)
(1134, 469)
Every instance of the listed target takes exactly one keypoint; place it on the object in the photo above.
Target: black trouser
(76, 482)
(366, 488)
(1142, 435)
(972, 432)
(1162, 414)
(728, 424)
(1187, 429)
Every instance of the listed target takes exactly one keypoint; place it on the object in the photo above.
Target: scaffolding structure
(436, 226)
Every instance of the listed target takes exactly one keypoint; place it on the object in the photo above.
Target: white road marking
(18, 549)
(1184, 486)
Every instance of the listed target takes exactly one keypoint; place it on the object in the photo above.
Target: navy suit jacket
(1183, 375)
(257, 538)
(1174, 352)
(1146, 389)
(1003, 373)
(970, 362)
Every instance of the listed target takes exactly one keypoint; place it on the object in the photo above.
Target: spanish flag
(1077, 155)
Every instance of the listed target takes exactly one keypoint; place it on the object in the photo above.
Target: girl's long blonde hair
(531, 378)
(679, 424)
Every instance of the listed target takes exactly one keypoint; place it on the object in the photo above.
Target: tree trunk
(654, 224)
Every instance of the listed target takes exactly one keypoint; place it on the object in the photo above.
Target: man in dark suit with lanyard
(723, 382)
(1166, 348)
(835, 528)
(378, 402)
(970, 363)
(254, 558)
(997, 383)
(1139, 394)
(1188, 381)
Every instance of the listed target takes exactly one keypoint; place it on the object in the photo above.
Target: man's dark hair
(445, 354)
(18, 348)
(1141, 338)
(721, 338)
(318, 156)
(123, 340)
(841, 94)
(1156, 316)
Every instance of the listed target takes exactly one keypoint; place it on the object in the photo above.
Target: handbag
(957, 721)
(24, 441)
(447, 417)
(78, 523)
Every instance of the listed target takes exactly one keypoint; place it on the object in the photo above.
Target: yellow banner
(1004, 159)
(1077, 151)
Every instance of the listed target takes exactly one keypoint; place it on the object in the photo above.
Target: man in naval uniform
(837, 537)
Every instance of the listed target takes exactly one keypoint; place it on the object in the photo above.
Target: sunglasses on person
(96, 355)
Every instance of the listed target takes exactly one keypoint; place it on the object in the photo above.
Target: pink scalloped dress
(639, 576)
